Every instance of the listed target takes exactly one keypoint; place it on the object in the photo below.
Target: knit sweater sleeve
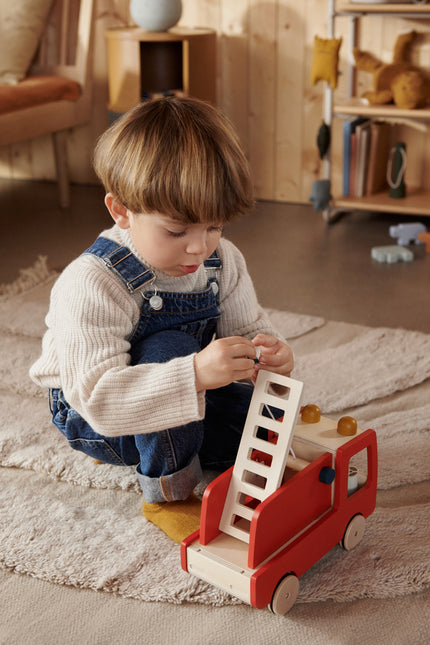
(241, 314)
(90, 319)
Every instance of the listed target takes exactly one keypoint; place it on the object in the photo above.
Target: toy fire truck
(270, 517)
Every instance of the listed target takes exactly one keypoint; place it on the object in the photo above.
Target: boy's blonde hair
(177, 157)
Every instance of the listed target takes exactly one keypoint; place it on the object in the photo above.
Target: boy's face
(174, 247)
(171, 246)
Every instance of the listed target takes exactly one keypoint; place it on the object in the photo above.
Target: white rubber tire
(285, 595)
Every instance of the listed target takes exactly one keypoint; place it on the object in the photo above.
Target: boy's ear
(119, 212)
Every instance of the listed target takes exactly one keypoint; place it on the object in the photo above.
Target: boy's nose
(196, 245)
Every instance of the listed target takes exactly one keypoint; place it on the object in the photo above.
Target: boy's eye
(211, 229)
(176, 233)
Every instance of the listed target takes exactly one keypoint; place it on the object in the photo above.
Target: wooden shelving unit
(357, 107)
(142, 62)
(417, 201)
(362, 8)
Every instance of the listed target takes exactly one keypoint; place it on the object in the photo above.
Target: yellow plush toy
(400, 81)
(325, 60)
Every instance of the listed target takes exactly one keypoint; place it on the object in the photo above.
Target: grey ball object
(156, 15)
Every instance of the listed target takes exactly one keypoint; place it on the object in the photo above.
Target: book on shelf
(378, 157)
(362, 134)
(366, 148)
(349, 153)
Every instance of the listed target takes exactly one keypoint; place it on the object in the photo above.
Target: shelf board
(358, 107)
(416, 202)
(142, 35)
(400, 9)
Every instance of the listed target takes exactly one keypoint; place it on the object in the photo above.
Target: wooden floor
(297, 261)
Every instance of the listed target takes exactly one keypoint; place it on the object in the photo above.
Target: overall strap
(130, 270)
(213, 262)
(121, 261)
(212, 265)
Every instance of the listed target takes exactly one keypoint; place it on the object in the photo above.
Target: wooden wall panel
(262, 95)
(234, 65)
(291, 86)
(314, 23)
(265, 51)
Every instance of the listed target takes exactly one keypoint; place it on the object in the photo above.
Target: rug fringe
(28, 278)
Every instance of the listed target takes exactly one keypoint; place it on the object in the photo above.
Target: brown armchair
(56, 94)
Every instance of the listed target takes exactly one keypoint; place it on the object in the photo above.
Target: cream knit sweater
(85, 348)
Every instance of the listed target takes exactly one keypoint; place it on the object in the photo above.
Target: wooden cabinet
(417, 200)
(142, 63)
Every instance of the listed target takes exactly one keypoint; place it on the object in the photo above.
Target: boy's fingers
(265, 340)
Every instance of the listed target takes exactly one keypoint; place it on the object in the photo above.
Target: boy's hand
(275, 356)
(223, 361)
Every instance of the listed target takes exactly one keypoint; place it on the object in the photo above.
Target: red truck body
(290, 530)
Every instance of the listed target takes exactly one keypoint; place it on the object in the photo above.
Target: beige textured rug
(66, 520)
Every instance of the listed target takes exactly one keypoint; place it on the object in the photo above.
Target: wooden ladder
(253, 481)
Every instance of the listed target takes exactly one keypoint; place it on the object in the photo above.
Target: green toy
(396, 171)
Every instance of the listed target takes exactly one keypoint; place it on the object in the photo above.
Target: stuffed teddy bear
(400, 82)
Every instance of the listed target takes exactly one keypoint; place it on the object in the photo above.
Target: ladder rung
(275, 401)
(250, 489)
(265, 446)
(243, 511)
(258, 468)
(269, 424)
(238, 533)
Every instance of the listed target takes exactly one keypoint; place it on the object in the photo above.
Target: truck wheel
(353, 533)
(285, 595)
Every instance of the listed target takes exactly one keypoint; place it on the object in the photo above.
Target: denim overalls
(168, 463)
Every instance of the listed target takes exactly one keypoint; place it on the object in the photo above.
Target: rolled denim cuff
(170, 488)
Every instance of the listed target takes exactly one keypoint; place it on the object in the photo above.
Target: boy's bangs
(194, 188)
(192, 202)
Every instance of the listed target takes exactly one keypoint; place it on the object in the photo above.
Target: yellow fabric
(325, 60)
(175, 519)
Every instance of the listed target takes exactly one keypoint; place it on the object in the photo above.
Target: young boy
(150, 329)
